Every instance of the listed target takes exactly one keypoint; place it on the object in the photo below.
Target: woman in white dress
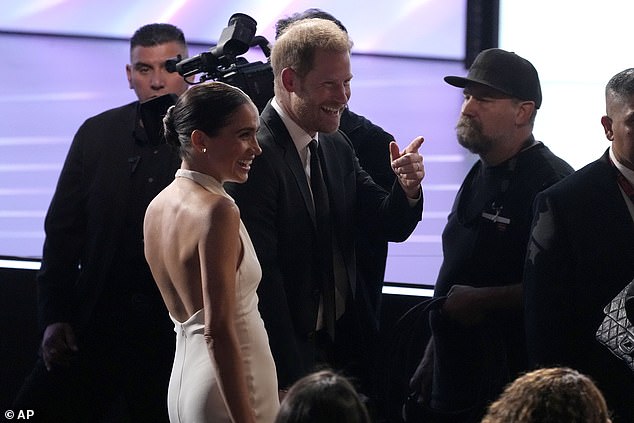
(205, 266)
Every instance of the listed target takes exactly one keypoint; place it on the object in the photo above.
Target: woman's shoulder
(215, 210)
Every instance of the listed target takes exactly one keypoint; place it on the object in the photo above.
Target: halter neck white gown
(194, 395)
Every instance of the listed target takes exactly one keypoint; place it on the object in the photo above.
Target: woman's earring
(204, 149)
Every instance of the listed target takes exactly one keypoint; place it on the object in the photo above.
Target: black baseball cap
(504, 71)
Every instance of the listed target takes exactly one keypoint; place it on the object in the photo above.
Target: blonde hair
(548, 395)
(297, 45)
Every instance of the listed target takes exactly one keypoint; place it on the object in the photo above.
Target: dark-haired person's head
(213, 125)
(322, 397)
(618, 122)
(155, 34)
(207, 107)
(150, 48)
(282, 24)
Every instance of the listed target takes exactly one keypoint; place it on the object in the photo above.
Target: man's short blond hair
(297, 45)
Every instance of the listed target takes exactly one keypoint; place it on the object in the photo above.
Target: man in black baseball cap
(502, 94)
(477, 344)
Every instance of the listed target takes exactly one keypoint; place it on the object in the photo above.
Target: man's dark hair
(621, 85)
(283, 23)
(156, 34)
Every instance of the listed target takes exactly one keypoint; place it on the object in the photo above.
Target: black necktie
(324, 238)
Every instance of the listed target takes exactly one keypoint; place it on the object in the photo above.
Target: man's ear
(607, 127)
(524, 112)
(289, 79)
(128, 72)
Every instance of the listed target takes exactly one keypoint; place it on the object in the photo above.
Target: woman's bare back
(177, 222)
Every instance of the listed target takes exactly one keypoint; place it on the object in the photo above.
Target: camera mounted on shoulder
(222, 62)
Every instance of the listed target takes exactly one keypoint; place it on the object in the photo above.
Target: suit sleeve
(388, 213)
(547, 274)
(372, 146)
(65, 227)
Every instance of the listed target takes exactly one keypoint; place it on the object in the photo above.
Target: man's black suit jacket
(276, 207)
(372, 146)
(86, 218)
(580, 256)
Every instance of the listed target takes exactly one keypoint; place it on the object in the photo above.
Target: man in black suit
(581, 255)
(372, 146)
(303, 274)
(107, 338)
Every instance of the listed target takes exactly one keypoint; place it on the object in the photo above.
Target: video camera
(221, 63)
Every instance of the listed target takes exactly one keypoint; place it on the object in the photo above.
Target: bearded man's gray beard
(470, 136)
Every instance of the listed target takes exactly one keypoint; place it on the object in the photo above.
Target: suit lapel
(607, 189)
(284, 143)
